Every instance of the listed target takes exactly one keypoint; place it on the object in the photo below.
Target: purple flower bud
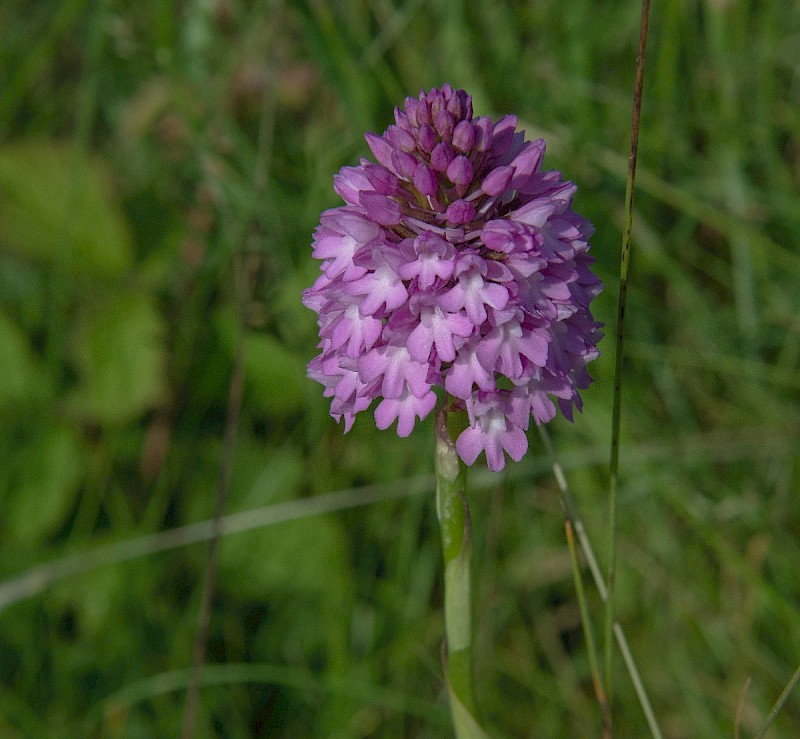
(483, 134)
(502, 134)
(411, 107)
(459, 171)
(459, 211)
(464, 136)
(383, 210)
(401, 119)
(401, 139)
(497, 180)
(404, 164)
(444, 124)
(424, 114)
(466, 105)
(536, 212)
(438, 103)
(426, 137)
(349, 182)
(526, 163)
(381, 148)
(425, 180)
(382, 180)
(441, 156)
(454, 106)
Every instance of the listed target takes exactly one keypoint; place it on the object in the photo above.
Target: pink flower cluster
(456, 263)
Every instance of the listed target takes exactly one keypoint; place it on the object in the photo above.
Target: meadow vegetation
(162, 168)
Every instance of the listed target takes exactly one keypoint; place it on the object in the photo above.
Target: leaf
(465, 724)
(275, 376)
(21, 373)
(56, 209)
(304, 556)
(46, 475)
(118, 352)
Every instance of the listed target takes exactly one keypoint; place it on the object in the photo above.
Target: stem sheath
(456, 531)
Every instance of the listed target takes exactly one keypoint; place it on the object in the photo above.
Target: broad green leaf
(56, 208)
(20, 372)
(275, 376)
(302, 556)
(306, 556)
(272, 479)
(47, 471)
(295, 322)
(118, 352)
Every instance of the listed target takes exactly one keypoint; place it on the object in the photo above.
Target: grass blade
(776, 709)
(623, 293)
(574, 520)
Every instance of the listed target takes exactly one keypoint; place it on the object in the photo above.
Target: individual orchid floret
(431, 259)
(492, 432)
(456, 263)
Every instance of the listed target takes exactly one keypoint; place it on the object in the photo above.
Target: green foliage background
(143, 144)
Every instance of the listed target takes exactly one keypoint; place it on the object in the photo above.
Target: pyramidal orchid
(456, 262)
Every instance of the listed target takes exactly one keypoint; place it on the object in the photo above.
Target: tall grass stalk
(235, 396)
(737, 722)
(620, 334)
(575, 522)
(300, 679)
(776, 709)
(38, 579)
(237, 230)
(588, 629)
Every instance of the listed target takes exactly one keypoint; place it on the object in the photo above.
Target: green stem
(588, 629)
(575, 522)
(456, 531)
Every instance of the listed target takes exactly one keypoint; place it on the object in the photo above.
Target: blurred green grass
(142, 145)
